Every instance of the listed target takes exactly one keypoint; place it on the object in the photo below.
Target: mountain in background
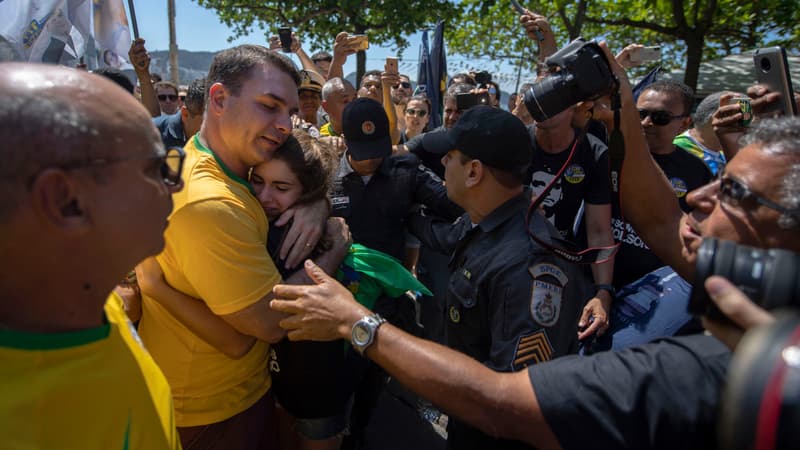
(191, 65)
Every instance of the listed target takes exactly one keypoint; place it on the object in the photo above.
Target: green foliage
(713, 28)
(318, 22)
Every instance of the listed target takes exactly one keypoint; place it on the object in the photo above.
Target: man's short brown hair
(231, 67)
(166, 84)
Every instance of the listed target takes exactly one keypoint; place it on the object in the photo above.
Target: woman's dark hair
(312, 162)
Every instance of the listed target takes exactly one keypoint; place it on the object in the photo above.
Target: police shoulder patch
(546, 291)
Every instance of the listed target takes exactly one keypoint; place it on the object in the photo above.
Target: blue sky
(199, 29)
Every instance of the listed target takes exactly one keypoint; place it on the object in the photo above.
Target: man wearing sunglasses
(177, 128)
(167, 95)
(664, 109)
(662, 395)
(85, 196)
(401, 92)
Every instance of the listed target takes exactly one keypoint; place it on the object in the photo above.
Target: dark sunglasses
(165, 97)
(659, 118)
(404, 84)
(183, 98)
(171, 164)
(733, 192)
(416, 112)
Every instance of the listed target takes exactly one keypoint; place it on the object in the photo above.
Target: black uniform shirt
(376, 210)
(663, 395)
(510, 303)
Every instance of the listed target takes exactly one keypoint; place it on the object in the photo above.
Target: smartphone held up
(646, 54)
(285, 35)
(772, 70)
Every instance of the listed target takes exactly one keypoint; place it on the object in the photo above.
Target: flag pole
(133, 20)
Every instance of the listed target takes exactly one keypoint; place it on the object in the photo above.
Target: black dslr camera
(582, 74)
(483, 78)
(768, 276)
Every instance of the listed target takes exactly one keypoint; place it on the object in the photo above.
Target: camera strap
(591, 255)
(616, 146)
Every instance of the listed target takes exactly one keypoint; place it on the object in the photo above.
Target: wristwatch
(606, 287)
(363, 332)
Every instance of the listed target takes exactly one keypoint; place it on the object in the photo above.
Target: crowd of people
(253, 262)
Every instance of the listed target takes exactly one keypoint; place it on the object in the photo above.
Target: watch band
(363, 332)
(606, 287)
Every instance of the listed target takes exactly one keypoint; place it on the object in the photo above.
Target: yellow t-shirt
(94, 389)
(216, 251)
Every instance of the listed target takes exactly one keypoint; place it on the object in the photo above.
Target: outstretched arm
(536, 27)
(140, 60)
(643, 185)
(341, 50)
(501, 404)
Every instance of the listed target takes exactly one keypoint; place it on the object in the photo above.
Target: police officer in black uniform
(510, 302)
(374, 191)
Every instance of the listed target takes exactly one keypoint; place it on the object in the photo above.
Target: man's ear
(184, 113)
(475, 171)
(217, 95)
(325, 105)
(56, 200)
(686, 123)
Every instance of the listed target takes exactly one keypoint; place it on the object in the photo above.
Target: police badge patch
(548, 286)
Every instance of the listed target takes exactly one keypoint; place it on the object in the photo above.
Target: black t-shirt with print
(634, 259)
(586, 179)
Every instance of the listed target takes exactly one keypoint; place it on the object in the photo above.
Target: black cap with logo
(493, 136)
(366, 130)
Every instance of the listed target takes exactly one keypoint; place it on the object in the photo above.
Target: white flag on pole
(57, 31)
(45, 30)
(111, 33)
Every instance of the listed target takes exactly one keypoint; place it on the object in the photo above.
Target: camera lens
(584, 75)
(764, 375)
(765, 65)
(550, 96)
(767, 276)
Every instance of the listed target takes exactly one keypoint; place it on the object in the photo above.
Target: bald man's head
(84, 194)
(54, 116)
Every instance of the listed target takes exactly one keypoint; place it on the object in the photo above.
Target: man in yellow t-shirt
(85, 196)
(216, 251)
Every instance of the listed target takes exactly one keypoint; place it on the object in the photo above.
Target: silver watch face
(360, 334)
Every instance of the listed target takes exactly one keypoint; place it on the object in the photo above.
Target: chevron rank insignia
(532, 349)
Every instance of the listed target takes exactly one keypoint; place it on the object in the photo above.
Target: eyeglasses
(416, 112)
(165, 97)
(734, 193)
(182, 97)
(659, 118)
(171, 164)
(404, 84)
